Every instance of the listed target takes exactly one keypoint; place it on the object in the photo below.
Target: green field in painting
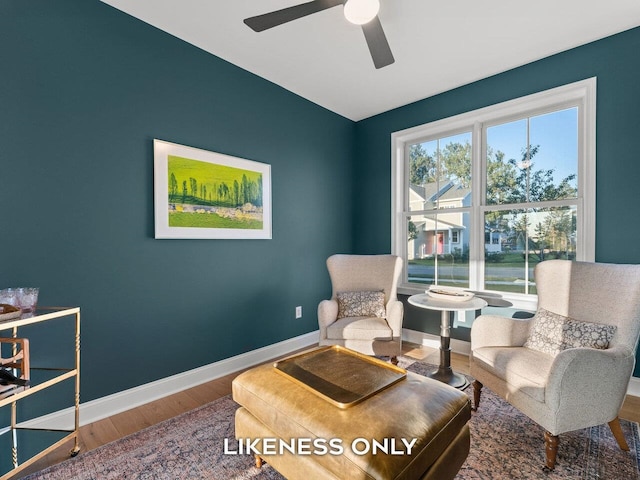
(212, 176)
(206, 220)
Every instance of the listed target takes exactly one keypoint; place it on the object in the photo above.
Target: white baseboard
(104, 407)
(113, 404)
(634, 387)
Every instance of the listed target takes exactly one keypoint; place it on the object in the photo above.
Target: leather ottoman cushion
(414, 408)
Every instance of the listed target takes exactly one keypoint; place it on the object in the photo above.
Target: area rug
(504, 445)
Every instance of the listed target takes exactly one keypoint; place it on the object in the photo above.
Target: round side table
(445, 373)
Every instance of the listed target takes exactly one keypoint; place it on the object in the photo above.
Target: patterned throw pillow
(361, 304)
(551, 333)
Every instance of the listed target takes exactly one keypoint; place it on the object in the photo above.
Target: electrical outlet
(298, 312)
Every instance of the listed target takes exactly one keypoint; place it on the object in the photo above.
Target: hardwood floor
(126, 423)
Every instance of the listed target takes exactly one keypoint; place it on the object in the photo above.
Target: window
(480, 198)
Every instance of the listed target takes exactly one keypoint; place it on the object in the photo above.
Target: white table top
(423, 300)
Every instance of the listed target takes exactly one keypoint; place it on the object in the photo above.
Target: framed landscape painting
(202, 194)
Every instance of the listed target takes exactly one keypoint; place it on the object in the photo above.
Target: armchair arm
(327, 314)
(498, 331)
(588, 383)
(395, 314)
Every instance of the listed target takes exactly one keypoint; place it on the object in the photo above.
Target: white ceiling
(438, 45)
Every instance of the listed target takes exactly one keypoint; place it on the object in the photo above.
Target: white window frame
(580, 94)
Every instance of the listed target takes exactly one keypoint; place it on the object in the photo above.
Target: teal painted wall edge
(84, 90)
(616, 64)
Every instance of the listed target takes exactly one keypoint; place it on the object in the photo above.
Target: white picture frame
(200, 194)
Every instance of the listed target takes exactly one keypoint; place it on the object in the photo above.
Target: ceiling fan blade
(273, 19)
(377, 42)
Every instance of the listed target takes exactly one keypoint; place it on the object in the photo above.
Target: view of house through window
(482, 216)
(439, 179)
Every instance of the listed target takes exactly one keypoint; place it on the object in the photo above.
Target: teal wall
(84, 90)
(615, 63)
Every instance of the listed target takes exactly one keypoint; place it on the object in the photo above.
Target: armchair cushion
(551, 333)
(360, 328)
(361, 304)
(513, 366)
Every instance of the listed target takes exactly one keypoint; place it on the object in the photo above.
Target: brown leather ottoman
(327, 442)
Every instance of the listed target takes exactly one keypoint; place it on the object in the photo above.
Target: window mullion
(476, 247)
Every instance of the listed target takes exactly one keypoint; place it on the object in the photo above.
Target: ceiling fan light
(361, 11)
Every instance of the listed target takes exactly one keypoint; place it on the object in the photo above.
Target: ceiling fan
(359, 12)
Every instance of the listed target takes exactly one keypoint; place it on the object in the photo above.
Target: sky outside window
(556, 135)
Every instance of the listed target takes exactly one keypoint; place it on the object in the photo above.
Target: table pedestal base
(448, 376)
(445, 373)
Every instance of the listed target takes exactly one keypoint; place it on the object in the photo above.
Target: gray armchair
(561, 372)
(364, 313)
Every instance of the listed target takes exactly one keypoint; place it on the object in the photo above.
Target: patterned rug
(504, 445)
